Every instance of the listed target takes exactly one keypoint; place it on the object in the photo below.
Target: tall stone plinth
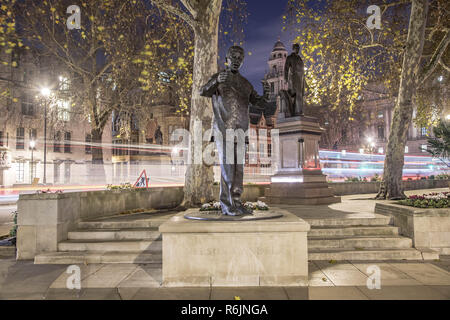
(299, 179)
(235, 253)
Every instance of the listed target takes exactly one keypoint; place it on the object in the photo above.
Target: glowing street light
(45, 92)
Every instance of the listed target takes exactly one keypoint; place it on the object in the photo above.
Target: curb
(8, 203)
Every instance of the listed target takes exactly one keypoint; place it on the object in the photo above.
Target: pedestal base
(235, 253)
(306, 187)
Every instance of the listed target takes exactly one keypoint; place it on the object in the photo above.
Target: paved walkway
(328, 279)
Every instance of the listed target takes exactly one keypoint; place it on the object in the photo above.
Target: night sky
(263, 29)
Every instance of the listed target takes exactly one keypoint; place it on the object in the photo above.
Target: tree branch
(434, 61)
(179, 13)
(447, 68)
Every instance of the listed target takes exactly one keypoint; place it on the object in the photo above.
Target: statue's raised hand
(223, 76)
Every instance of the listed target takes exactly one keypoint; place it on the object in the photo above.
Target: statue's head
(296, 48)
(235, 58)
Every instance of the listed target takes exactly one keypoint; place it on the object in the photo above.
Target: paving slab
(143, 276)
(27, 279)
(249, 293)
(127, 293)
(100, 294)
(297, 293)
(336, 293)
(445, 290)
(425, 273)
(63, 294)
(443, 262)
(85, 271)
(317, 277)
(342, 273)
(109, 276)
(404, 293)
(172, 294)
(390, 276)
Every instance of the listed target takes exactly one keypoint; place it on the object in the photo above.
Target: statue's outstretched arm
(261, 102)
(210, 87)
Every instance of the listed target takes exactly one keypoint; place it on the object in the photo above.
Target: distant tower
(275, 75)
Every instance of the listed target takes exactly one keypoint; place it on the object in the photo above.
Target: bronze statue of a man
(158, 136)
(231, 95)
(294, 74)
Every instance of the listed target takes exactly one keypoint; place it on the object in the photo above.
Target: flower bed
(430, 200)
(215, 206)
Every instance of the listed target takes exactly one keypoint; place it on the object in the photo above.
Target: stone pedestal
(235, 253)
(299, 179)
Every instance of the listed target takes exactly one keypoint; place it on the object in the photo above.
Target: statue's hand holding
(223, 76)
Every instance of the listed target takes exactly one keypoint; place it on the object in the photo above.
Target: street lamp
(45, 92)
(32, 146)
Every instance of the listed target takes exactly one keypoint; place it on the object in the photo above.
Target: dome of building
(279, 46)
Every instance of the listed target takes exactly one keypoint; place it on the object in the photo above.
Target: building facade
(23, 109)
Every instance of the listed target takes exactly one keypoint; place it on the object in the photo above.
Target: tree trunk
(198, 187)
(391, 186)
(97, 171)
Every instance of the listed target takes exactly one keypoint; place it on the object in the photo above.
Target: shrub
(122, 186)
(431, 200)
(13, 231)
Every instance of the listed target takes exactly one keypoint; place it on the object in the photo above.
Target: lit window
(380, 114)
(406, 149)
(423, 131)
(423, 147)
(20, 171)
(63, 84)
(63, 110)
(20, 138)
(380, 150)
(67, 145)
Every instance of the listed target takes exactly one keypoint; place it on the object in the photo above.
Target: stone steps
(369, 254)
(115, 234)
(353, 231)
(99, 257)
(111, 246)
(128, 224)
(358, 242)
(346, 222)
(136, 239)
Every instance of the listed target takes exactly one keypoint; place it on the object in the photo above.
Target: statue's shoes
(243, 210)
(233, 213)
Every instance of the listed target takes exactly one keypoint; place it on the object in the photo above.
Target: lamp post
(45, 92)
(32, 145)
